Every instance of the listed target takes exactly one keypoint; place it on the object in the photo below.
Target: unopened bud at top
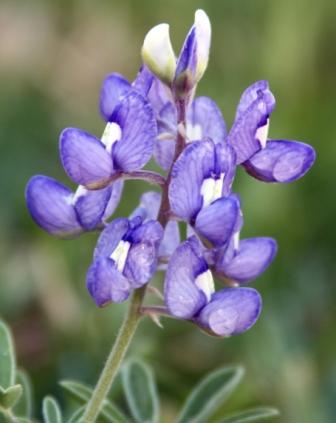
(158, 54)
(194, 56)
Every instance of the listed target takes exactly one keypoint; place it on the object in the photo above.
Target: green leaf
(252, 415)
(7, 357)
(141, 393)
(9, 396)
(209, 394)
(82, 393)
(24, 406)
(51, 411)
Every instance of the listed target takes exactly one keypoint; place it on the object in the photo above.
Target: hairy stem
(116, 356)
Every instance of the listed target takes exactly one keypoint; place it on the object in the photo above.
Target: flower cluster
(158, 115)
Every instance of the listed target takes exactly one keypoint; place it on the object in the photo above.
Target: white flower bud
(158, 54)
(203, 37)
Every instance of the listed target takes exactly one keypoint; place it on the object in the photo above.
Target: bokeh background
(53, 58)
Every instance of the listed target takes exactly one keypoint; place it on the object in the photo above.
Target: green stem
(116, 356)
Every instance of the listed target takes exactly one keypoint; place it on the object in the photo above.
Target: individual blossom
(266, 160)
(125, 258)
(126, 145)
(115, 87)
(64, 213)
(240, 261)
(189, 293)
(200, 190)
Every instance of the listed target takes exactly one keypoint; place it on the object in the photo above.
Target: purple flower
(266, 160)
(200, 189)
(125, 258)
(63, 213)
(243, 261)
(204, 120)
(115, 87)
(193, 59)
(126, 145)
(190, 294)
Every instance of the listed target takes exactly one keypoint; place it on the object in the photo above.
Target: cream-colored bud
(157, 53)
(203, 37)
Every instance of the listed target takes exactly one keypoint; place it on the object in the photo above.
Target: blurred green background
(53, 57)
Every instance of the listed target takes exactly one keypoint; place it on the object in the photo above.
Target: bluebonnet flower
(64, 213)
(125, 258)
(267, 160)
(190, 294)
(200, 188)
(126, 145)
(158, 116)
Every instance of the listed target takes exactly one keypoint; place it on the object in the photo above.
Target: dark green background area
(53, 57)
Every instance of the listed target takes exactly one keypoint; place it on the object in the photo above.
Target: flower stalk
(116, 356)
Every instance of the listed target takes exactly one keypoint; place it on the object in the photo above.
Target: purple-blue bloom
(264, 159)
(125, 258)
(190, 294)
(64, 213)
(126, 145)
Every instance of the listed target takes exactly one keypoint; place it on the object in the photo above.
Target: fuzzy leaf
(24, 406)
(9, 396)
(141, 393)
(253, 415)
(82, 393)
(7, 357)
(209, 394)
(51, 411)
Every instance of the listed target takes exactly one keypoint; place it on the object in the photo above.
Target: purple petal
(252, 93)
(171, 239)
(182, 296)
(91, 205)
(192, 167)
(165, 148)
(225, 163)
(249, 132)
(205, 120)
(252, 259)
(281, 161)
(143, 81)
(114, 88)
(110, 237)
(116, 191)
(50, 205)
(151, 201)
(217, 221)
(106, 284)
(231, 311)
(85, 158)
(187, 62)
(136, 118)
(142, 257)
(158, 95)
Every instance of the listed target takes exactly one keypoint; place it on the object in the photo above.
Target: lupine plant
(159, 116)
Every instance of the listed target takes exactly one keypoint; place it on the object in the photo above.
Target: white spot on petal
(194, 132)
(80, 192)
(205, 283)
(119, 255)
(262, 133)
(211, 189)
(111, 134)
